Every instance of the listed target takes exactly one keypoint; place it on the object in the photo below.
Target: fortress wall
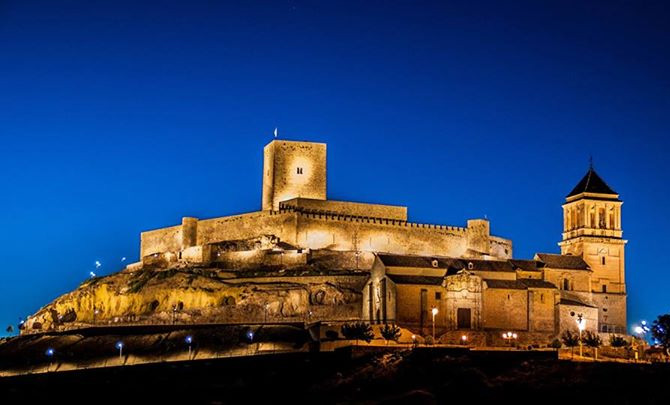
(321, 231)
(247, 226)
(348, 208)
(500, 247)
(541, 307)
(161, 240)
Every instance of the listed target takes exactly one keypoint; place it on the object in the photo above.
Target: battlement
(334, 216)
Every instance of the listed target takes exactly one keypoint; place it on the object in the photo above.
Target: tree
(592, 340)
(390, 332)
(555, 344)
(660, 330)
(618, 341)
(570, 339)
(358, 331)
(10, 329)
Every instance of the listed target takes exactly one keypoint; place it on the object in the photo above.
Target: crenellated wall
(332, 231)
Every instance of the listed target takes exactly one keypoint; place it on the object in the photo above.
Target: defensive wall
(303, 228)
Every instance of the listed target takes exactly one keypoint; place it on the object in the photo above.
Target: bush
(570, 339)
(390, 332)
(556, 344)
(358, 331)
(592, 339)
(618, 341)
(429, 340)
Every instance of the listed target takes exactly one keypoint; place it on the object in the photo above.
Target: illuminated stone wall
(327, 231)
(293, 169)
(348, 208)
(505, 309)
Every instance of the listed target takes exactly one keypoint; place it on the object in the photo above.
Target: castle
(304, 257)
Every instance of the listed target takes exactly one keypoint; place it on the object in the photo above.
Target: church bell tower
(592, 229)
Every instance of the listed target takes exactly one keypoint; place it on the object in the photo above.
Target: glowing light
(92, 274)
(434, 311)
(638, 330)
(581, 323)
(50, 352)
(97, 264)
(250, 335)
(189, 339)
(119, 345)
(123, 259)
(464, 338)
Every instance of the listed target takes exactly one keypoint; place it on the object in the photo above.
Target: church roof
(519, 284)
(591, 183)
(575, 302)
(423, 280)
(563, 261)
(448, 263)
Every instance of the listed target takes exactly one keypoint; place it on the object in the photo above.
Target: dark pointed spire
(592, 183)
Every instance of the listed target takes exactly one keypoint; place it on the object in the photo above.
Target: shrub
(593, 340)
(556, 344)
(570, 339)
(390, 332)
(429, 340)
(618, 341)
(357, 331)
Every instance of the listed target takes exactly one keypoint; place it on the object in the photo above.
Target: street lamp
(581, 325)
(189, 340)
(119, 345)
(509, 336)
(434, 311)
(464, 339)
(413, 341)
(50, 354)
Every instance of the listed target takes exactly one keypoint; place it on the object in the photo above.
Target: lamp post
(50, 354)
(189, 340)
(434, 311)
(509, 336)
(581, 325)
(119, 345)
(464, 340)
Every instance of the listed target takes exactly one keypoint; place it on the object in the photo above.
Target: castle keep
(303, 257)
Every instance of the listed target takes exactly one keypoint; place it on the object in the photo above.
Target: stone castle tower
(293, 169)
(592, 229)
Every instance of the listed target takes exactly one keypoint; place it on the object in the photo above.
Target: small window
(470, 266)
(541, 297)
(604, 288)
(566, 284)
(434, 263)
(300, 170)
(602, 260)
(438, 295)
(604, 309)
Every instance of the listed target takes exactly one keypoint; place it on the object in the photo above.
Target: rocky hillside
(187, 294)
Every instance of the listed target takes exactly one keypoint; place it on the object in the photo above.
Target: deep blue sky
(123, 116)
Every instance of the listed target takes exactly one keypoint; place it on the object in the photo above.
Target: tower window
(438, 295)
(602, 260)
(299, 170)
(566, 284)
(604, 288)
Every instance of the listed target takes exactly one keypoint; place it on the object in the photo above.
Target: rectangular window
(602, 260)
(604, 288)
(438, 295)
(300, 170)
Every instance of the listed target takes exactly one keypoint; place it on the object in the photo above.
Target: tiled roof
(519, 284)
(419, 261)
(526, 265)
(591, 183)
(566, 301)
(506, 284)
(533, 283)
(424, 280)
(445, 263)
(563, 261)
